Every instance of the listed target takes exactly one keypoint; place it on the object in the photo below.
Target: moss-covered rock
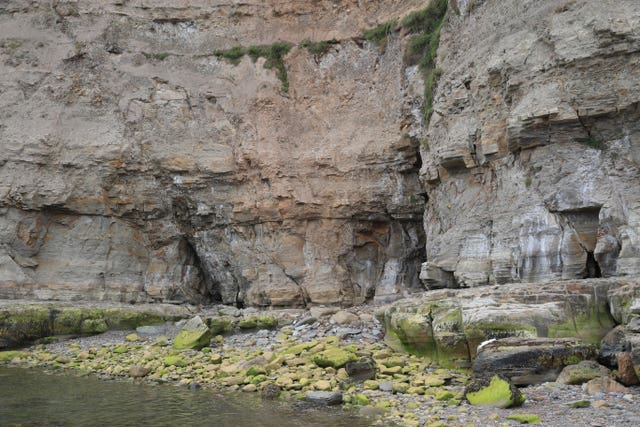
(524, 418)
(120, 349)
(220, 325)
(174, 360)
(8, 356)
(299, 348)
(248, 323)
(193, 335)
(498, 392)
(359, 400)
(333, 357)
(582, 372)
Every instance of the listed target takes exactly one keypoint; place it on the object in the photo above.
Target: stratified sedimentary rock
(136, 165)
(532, 170)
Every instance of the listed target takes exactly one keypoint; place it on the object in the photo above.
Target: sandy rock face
(532, 170)
(137, 166)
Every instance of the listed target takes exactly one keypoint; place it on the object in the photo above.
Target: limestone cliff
(136, 165)
(532, 169)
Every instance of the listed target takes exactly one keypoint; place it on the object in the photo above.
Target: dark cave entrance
(592, 269)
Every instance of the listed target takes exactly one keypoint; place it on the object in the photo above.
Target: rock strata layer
(532, 169)
(137, 166)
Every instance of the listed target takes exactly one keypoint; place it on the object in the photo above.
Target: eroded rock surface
(532, 170)
(137, 166)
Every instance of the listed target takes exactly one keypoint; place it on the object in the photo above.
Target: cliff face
(135, 165)
(533, 163)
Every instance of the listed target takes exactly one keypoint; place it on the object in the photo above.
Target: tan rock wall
(135, 165)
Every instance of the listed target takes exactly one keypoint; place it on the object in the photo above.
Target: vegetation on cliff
(273, 54)
(425, 25)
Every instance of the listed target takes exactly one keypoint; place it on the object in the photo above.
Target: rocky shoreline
(299, 356)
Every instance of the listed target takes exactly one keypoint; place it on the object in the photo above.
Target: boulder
(325, 398)
(626, 372)
(270, 392)
(137, 371)
(604, 385)
(496, 391)
(363, 369)
(582, 372)
(343, 317)
(333, 357)
(193, 335)
(531, 360)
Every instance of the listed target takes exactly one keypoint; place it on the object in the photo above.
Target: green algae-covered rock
(174, 360)
(359, 400)
(8, 356)
(220, 325)
(193, 335)
(498, 392)
(121, 349)
(299, 348)
(333, 357)
(445, 395)
(524, 418)
(248, 323)
(267, 321)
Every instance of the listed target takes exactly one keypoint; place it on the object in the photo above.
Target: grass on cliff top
(273, 54)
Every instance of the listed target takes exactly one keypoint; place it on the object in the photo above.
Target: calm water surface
(32, 397)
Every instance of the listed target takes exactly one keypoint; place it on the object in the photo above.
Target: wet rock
(531, 361)
(496, 391)
(582, 372)
(626, 372)
(137, 371)
(270, 392)
(363, 369)
(325, 398)
(193, 335)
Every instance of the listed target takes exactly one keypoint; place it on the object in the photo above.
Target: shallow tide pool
(33, 397)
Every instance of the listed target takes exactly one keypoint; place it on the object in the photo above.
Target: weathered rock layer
(135, 165)
(533, 164)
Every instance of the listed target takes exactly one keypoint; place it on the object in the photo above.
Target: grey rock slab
(325, 398)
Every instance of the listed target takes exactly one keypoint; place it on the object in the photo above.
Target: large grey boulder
(528, 361)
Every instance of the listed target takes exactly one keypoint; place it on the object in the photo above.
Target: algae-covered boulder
(248, 323)
(220, 325)
(496, 391)
(193, 335)
(333, 357)
(174, 360)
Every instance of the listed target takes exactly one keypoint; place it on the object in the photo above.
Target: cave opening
(592, 269)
